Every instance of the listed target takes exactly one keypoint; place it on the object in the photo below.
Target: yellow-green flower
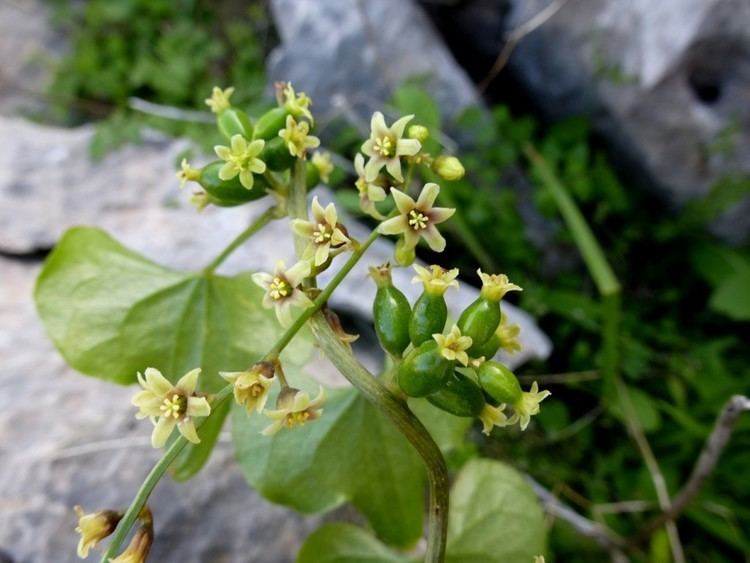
(94, 527)
(322, 162)
(199, 200)
(187, 173)
(219, 99)
(495, 416)
(283, 289)
(436, 280)
(495, 286)
(369, 193)
(528, 405)
(297, 138)
(539, 559)
(251, 387)
(297, 104)
(138, 548)
(507, 334)
(448, 168)
(324, 233)
(418, 218)
(386, 146)
(294, 408)
(169, 405)
(241, 158)
(453, 346)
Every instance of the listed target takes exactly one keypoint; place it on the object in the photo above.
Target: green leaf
(732, 297)
(352, 453)
(645, 409)
(494, 516)
(111, 313)
(345, 543)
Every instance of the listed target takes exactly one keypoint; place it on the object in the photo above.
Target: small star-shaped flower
(219, 99)
(241, 158)
(453, 346)
(296, 137)
(283, 289)
(294, 408)
(436, 280)
(386, 146)
(169, 405)
(323, 232)
(418, 218)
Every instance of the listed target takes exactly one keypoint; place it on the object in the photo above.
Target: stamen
(279, 288)
(417, 220)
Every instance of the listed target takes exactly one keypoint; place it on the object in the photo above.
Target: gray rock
(66, 439)
(28, 45)
(350, 55)
(666, 83)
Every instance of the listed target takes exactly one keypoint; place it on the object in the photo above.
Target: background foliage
(686, 295)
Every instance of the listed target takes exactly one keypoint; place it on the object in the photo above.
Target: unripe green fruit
(427, 318)
(391, 312)
(488, 349)
(423, 370)
(229, 193)
(480, 321)
(459, 396)
(270, 123)
(276, 155)
(499, 382)
(233, 121)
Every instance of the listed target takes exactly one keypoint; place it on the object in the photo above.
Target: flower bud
(251, 387)
(418, 132)
(448, 168)
(404, 254)
(94, 528)
(139, 547)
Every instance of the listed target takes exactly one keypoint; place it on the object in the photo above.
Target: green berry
(391, 312)
(427, 318)
(480, 321)
(233, 121)
(499, 382)
(228, 193)
(423, 370)
(459, 396)
(270, 123)
(276, 155)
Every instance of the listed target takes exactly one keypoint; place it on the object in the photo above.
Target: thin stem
(374, 391)
(163, 464)
(609, 289)
(151, 480)
(408, 424)
(261, 221)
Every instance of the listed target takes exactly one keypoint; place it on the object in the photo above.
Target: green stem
(261, 221)
(374, 391)
(609, 289)
(408, 424)
(151, 480)
(174, 449)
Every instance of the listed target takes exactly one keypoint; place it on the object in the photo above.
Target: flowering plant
(143, 319)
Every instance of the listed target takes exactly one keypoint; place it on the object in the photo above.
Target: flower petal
(394, 226)
(393, 165)
(156, 382)
(246, 179)
(297, 273)
(239, 144)
(198, 406)
(378, 128)
(187, 429)
(257, 166)
(373, 166)
(403, 202)
(189, 381)
(262, 279)
(224, 153)
(228, 171)
(427, 196)
(408, 147)
(440, 214)
(434, 239)
(162, 430)
(398, 127)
